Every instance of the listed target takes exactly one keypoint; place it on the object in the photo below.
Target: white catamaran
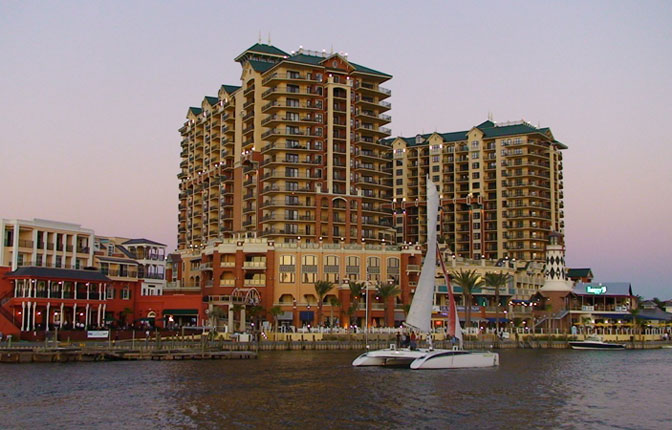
(420, 314)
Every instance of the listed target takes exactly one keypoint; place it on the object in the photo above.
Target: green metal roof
(579, 273)
(230, 88)
(211, 100)
(262, 48)
(307, 59)
(363, 69)
(195, 110)
(260, 66)
(455, 136)
(317, 60)
(491, 130)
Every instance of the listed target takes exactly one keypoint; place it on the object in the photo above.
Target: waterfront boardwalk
(197, 349)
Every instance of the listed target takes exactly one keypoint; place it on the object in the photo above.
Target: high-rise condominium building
(295, 153)
(501, 189)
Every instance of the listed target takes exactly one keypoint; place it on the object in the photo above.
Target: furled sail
(420, 315)
(453, 325)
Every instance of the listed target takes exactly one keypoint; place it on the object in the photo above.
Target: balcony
(254, 265)
(288, 77)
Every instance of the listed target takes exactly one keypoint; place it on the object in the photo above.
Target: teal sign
(596, 290)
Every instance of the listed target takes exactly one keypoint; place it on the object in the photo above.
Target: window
(400, 182)
(291, 186)
(292, 103)
(291, 74)
(292, 158)
(475, 175)
(59, 260)
(291, 172)
(291, 214)
(436, 178)
(292, 88)
(475, 155)
(475, 165)
(436, 168)
(126, 293)
(400, 172)
(109, 293)
(292, 116)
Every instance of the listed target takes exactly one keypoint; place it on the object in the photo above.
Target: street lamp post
(366, 314)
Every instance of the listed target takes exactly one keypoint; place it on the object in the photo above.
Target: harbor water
(537, 389)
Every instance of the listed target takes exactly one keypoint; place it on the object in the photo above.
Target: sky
(92, 94)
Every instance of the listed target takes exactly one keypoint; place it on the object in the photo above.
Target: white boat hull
(427, 359)
(595, 345)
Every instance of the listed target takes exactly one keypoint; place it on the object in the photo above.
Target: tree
(468, 280)
(356, 291)
(236, 310)
(333, 302)
(496, 280)
(215, 314)
(634, 313)
(124, 315)
(276, 311)
(255, 311)
(321, 289)
(386, 291)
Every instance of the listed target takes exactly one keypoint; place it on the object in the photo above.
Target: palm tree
(496, 280)
(236, 310)
(356, 291)
(321, 289)
(255, 312)
(333, 302)
(276, 311)
(386, 291)
(215, 314)
(634, 313)
(468, 280)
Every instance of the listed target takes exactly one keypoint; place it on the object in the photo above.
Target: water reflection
(531, 389)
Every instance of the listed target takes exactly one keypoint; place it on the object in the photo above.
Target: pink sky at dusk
(92, 95)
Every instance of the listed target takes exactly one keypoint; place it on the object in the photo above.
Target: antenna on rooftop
(259, 36)
(269, 37)
(490, 116)
(332, 49)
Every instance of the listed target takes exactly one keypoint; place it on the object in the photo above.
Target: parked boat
(420, 314)
(595, 342)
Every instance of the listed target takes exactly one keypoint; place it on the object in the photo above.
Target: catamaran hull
(426, 359)
(449, 359)
(388, 357)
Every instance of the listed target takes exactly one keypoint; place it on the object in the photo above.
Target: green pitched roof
(484, 124)
(316, 60)
(211, 100)
(262, 48)
(579, 273)
(260, 66)
(455, 136)
(490, 130)
(307, 59)
(230, 88)
(363, 69)
(195, 110)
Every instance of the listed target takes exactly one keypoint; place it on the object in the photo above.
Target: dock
(65, 355)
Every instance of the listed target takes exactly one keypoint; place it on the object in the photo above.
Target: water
(553, 389)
